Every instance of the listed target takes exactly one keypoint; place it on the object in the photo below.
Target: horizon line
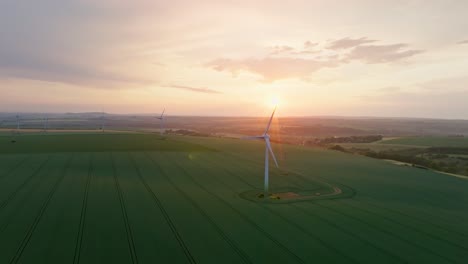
(241, 116)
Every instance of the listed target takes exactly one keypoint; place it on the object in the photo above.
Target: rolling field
(460, 142)
(140, 198)
(379, 146)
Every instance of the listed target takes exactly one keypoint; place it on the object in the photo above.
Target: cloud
(281, 49)
(68, 42)
(463, 42)
(288, 50)
(288, 62)
(36, 67)
(308, 44)
(195, 89)
(307, 48)
(272, 69)
(346, 43)
(389, 89)
(373, 54)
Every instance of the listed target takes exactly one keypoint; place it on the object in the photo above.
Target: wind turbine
(17, 124)
(102, 122)
(46, 123)
(161, 118)
(268, 150)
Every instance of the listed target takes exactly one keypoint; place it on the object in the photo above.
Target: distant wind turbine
(46, 123)
(17, 124)
(268, 150)
(103, 120)
(161, 119)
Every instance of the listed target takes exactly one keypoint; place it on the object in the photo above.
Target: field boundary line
(252, 223)
(84, 207)
(160, 206)
(218, 229)
(430, 251)
(24, 183)
(11, 170)
(44, 207)
(128, 228)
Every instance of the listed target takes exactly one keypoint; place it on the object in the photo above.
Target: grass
(378, 146)
(430, 141)
(139, 199)
(92, 142)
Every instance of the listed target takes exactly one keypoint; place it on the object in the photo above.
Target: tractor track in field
(84, 207)
(38, 218)
(325, 244)
(305, 231)
(16, 166)
(24, 183)
(128, 228)
(440, 218)
(300, 175)
(380, 229)
(245, 258)
(297, 226)
(416, 219)
(412, 228)
(317, 180)
(252, 223)
(256, 166)
(160, 206)
(365, 241)
(253, 168)
(436, 196)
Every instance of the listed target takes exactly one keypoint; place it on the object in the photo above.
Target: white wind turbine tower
(161, 119)
(268, 150)
(17, 124)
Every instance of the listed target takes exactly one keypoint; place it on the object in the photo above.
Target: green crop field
(141, 198)
(461, 142)
(378, 146)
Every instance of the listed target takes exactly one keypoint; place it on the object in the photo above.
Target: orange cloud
(298, 63)
(272, 69)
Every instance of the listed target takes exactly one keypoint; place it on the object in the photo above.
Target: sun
(274, 101)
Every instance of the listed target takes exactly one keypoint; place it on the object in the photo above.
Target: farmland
(142, 198)
(431, 141)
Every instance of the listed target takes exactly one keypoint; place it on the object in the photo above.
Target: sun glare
(274, 101)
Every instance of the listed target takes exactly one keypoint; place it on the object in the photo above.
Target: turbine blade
(269, 123)
(163, 113)
(267, 141)
(252, 138)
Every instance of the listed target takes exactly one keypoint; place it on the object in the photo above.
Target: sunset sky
(347, 58)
